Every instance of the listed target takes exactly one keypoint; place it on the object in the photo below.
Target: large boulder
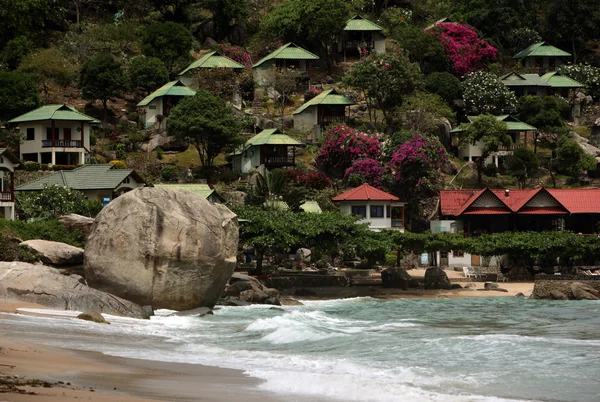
(55, 253)
(163, 247)
(436, 278)
(397, 278)
(582, 291)
(77, 222)
(49, 287)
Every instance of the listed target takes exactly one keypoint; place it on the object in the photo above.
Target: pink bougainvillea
(464, 48)
(343, 145)
(371, 170)
(308, 178)
(235, 53)
(416, 162)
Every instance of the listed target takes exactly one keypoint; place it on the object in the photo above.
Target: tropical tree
(521, 164)
(48, 69)
(18, 94)
(586, 74)
(445, 85)
(15, 50)
(207, 123)
(54, 201)
(148, 73)
(485, 93)
(226, 14)
(167, 41)
(421, 112)
(490, 133)
(385, 80)
(572, 159)
(285, 82)
(545, 113)
(102, 78)
(365, 171)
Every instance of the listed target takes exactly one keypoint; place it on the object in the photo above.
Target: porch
(61, 144)
(278, 156)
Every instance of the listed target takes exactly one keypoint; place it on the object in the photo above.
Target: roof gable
(365, 192)
(512, 124)
(289, 51)
(358, 23)
(173, 88)
(213, 60)
(272, 137)
(556, 80)
(484, 199)
(54, 112)
(541, 49)
(5, 153)
(329, 97)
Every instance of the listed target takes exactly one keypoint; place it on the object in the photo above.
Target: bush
(343, 145)
(490, 170)
(44, 166)
(118, 164)
(32, 166)
(57, 168)
(445, 85)
(169, 173)
(314, 179)
(54, 201)
(229, 176)
(159, 153)
(311, 93)
(50, 229)
(370, 170)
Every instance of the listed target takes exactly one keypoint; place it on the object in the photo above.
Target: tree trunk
(105, 110)
(398, 257)
(552, 173)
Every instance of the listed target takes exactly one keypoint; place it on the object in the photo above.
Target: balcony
(511, 148)
(280, 161)
(61, 144)
(397, 224)
(327, 120)
(6, 197)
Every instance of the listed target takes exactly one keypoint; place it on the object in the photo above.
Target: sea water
(490, 349)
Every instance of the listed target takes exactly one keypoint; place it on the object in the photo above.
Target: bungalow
(379, 209)
(542, 57)
(208, 61)
(287, 56)
(156, 107)
(269, 148)
(8, 163)
(520, 133)
(322, 110)
(54, 134)
(551, 83)
(359, 36)
(97, 182)
(203, 190)
(475, 212)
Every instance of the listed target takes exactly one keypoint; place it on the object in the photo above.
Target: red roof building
(379, 209)
(493, 210)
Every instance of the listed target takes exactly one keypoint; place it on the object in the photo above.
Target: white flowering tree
(484, 93)
(585, 74)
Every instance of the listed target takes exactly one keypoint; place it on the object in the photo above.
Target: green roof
(212, 60)
(541, 49)
(311, 206)
(556, 80)
(5, 153)
(518, 80)
(54, 112)
(512, 124)
(87, 177)
(173, 88)
(358, 23)
(289, 51)
(329, 97)
(271, 136)
(202, 190)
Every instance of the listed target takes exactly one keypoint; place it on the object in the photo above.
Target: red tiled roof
(574, 201)
(487, 211)
(365, 193)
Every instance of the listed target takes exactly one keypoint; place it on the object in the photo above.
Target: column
(53, 157)
(496, 160)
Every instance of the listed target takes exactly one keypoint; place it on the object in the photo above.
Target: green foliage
(385, 79)
(54, 201)
(32, 166)
(572, 159)
(485, 93)
(50, 229)
(15, 50)
(23, 17)
(147, 72)
(225, 12)
(169, 173)
(521, 38)
(421, 112)
(585, 74)
(207, 123)
(521, 164)
(491, 132)
(490, 170)
(446, 85)
(47, 68)
(167, 41)
(422, 48)
(18, 94)
(102, 78)
(543, 113)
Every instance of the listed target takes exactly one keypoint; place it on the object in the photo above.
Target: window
(30, 134)
(359, 210)
(376, 211)
(444, 254)
(458, 254)
(152, 107)
(49, 133)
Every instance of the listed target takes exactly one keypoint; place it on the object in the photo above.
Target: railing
(397, 223)
(280, 160)
(5, 196)
(324, 120)
(511, 148)
(61, 144)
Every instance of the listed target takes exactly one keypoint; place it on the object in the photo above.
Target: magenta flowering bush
(416, 163)
(343, 145)
(369, 170)
(464, 48)
(311, 93)
(235, 53)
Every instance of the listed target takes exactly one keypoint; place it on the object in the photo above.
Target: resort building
(542, 57)
(360, 37)
(379, 209)
(8, 163)
(203, 190)
(156, 107)
(97, 182)
(551, 83)
(287, 56)
(54, 135)
(269, 149)
(208, 61)
(521, 134)
(327, 107)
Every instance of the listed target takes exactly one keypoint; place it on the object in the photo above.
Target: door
(443, 259)
(475, 260)
(67, 134)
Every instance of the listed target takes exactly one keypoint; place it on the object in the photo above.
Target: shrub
(50, 229)
(314, 179)
(365, 171)
(159, 153)
(490, 170)
(57, 168)
(32, 166)
(169, 173)
(54, 201)
(343, 145)
(445, 85)
(44, 166)
(311, 93)
(485, 93)
(585, 74)
(235, 53)
(118, 164)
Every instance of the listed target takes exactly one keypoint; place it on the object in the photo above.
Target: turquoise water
(373, 350)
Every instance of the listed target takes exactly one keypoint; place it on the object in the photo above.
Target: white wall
(471, 151)
(265, 73)
(374, 223)
(35, 146)
(151, 110)
(250, 159)
(307, 119)
(379, 43)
